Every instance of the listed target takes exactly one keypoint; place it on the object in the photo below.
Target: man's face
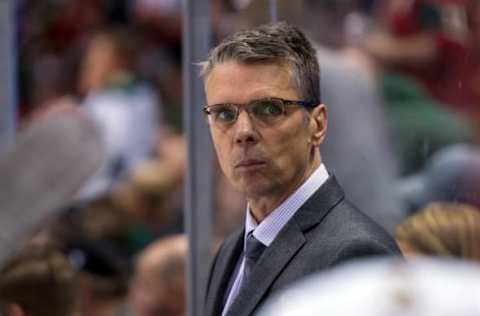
(264, 160)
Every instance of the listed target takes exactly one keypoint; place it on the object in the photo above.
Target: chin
(254, 189)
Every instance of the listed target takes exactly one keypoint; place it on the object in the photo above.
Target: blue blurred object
(451, 175)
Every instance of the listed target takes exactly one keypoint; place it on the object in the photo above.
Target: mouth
(250, 164)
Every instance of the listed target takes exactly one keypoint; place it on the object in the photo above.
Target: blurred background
(400, 78)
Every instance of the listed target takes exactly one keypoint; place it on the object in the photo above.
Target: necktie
(253, 251)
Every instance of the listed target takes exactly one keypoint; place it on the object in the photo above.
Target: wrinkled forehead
(244, 59)
(240, 83)
(285, 66)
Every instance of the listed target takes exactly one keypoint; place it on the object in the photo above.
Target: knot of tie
(253, 251)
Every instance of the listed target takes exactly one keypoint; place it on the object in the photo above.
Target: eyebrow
(245, 103)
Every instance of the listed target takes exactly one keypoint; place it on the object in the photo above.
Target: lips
(249, 164)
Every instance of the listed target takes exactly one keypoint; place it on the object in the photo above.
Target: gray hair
(275, 43)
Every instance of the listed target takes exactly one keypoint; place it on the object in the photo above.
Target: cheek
(223, 151)
(289, 150)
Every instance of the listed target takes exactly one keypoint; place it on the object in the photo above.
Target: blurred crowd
(401, 81)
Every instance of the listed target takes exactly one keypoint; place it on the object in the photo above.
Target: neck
(261, 206)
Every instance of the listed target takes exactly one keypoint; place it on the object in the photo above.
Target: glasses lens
(267, 110)
(223, 114)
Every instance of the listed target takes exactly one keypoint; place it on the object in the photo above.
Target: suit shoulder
(354, 232)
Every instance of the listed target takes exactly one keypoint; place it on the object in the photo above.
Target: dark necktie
(253, 251)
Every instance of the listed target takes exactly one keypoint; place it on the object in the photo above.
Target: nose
(245, 132)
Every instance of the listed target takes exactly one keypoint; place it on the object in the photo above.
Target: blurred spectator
(163, 15)
(38, 282)
(419, 126)
(434, 42)
(103, 278)
(126, 110)
(96, 239)
(405, 32)
(172, 151)
(158, 286)
(422, 52)
(151, 194)
(101, 222)
(51, 35)
(442, 229)
(451, 175)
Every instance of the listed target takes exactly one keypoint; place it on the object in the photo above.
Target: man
(267, 123)
(39, 281)
(158, 286)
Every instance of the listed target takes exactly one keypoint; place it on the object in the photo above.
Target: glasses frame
(245, 106)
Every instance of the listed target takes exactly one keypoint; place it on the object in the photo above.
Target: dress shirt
(268, 229)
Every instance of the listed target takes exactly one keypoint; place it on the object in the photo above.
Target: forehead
(239, 83)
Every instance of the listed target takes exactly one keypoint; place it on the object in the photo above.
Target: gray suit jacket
(325, 231)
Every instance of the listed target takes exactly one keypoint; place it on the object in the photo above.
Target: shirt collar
(271, 225)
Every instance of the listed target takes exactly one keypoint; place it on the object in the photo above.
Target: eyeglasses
(265, 111)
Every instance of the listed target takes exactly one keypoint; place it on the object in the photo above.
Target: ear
(318, 124)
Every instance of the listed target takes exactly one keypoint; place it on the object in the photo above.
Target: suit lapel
(285, 246)
(222, 270)
(319, 204)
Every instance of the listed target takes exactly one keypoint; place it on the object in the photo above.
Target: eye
(268, 108)
(224, 114)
